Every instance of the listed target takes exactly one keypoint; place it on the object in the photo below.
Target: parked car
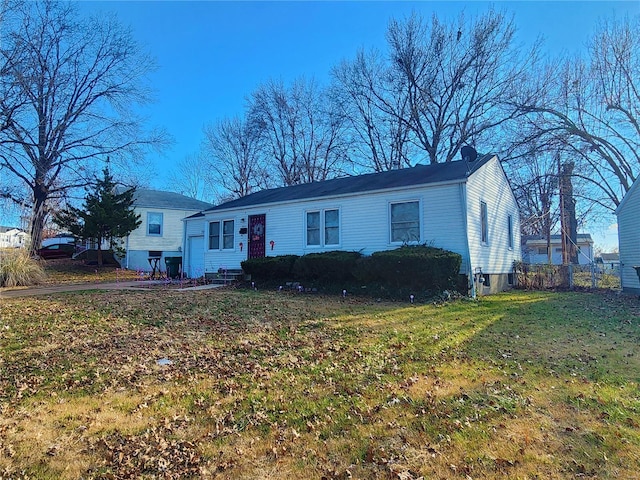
(57, 250)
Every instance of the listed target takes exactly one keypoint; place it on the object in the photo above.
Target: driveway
(134, 285)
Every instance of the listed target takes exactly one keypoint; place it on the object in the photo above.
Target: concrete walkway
(133, 285)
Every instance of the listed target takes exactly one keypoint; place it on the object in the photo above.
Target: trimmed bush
(270, 268)
(18, 269)
(413, 267)
(332, 266)
(418, 270)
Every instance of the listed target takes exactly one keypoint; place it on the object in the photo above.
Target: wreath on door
(258, 231)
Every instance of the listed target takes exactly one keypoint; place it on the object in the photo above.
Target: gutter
(184, 247)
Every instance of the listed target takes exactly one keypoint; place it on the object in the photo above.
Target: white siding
(14, 238)
(585, 255)
(489, 184)
(629, 239)
(171, 237)
(169, 242)
(364, 224)
(194, 226)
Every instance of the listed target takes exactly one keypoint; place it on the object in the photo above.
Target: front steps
(224, 277)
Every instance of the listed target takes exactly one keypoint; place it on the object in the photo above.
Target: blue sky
(212, 55)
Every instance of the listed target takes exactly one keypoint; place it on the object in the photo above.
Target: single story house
(628, 213)
(609, 262)
(160, 233)
(11, 237)
(465, 206)
(535, 249)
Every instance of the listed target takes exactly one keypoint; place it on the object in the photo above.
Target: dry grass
(65, 271)
(18, 269)
(276, 385)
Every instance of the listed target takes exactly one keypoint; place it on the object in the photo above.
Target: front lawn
(244, 384)
(64, 271)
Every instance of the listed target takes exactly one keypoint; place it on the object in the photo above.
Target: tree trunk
(36, 223)
(99, 251)
(570, 223)
(99, 255)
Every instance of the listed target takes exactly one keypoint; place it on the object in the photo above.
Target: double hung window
(154, 224)
(405, 222)
(323, 228)
(221, 235)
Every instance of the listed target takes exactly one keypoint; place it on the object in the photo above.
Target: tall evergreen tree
(106, 216)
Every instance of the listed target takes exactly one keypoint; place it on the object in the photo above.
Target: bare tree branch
(73, 84)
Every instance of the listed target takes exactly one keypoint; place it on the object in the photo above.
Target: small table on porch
(153, 263)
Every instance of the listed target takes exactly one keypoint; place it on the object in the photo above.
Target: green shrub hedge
(327, 266)
(414, 267)
(270, 268)
(411, 269)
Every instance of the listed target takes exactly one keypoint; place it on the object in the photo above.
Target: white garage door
(195, 267)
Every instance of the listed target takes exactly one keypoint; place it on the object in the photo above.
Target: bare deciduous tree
(231, 149)
(301, 131)
(71, 85)
(376, 109)
(188, 178)
(593, 105)
(535, 185)
(458, 78)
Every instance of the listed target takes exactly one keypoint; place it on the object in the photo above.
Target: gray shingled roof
(405, 177)
(170, 200)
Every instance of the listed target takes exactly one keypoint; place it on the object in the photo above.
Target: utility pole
(568, 222)
(563, 220)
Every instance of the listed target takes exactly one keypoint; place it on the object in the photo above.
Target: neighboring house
(160, 233)
(628, 213)
(609, 262)
(465, 207)
(535, 249)
(11, 237)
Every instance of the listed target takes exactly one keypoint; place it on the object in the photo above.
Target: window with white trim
(510, 230)
(323, 228)
(405, 222)
(484, 223)
(154, 224)
(227, 234)
(214, 236)
(221, 234)
(331, 227)
(313, 229)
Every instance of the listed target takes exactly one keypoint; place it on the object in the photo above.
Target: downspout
(463, 203)
(184, 247)
(127, 254)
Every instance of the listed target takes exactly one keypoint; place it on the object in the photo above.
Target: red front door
(257, 230)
